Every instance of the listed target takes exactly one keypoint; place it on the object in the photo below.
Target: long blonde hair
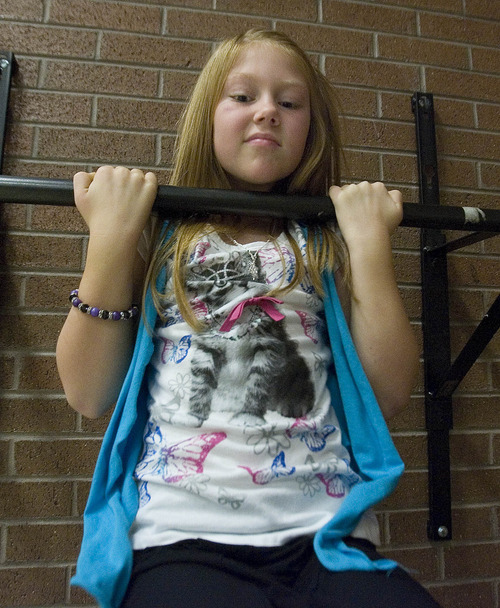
(196, 165)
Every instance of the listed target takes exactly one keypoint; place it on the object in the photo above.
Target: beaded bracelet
(99, 313)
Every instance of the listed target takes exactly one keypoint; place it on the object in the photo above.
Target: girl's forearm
(380, 328)
(93, 354)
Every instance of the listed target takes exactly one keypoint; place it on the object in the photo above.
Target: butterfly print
(267, 258)
(334, 485)
(199, 252)
(309, 325)
(277, 469)
(307, 431)
(186, 458)
(175, 352)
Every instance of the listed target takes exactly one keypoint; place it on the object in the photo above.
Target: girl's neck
(249, 229)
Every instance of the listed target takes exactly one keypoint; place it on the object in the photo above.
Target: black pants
(201, 574)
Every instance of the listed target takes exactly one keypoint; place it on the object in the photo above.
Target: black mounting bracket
(441, 378)
(6, 68)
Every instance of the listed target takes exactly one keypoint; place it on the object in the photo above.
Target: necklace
(252, 268)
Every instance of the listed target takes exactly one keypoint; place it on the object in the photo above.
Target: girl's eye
(288, 104)
(241, 98)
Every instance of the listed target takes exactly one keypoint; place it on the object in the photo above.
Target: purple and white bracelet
(100, 313)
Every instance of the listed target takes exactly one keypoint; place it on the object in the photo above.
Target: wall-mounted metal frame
(440, 377)
(6, 70)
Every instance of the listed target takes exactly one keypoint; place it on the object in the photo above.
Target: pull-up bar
(174, 201)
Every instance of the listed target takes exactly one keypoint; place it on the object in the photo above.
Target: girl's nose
(267, 112)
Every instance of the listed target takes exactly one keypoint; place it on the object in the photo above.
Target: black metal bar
(465, 241)
(174, 201)
(471, 351)
(435, 327)
(6, 68)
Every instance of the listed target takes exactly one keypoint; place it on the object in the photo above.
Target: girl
(242, 457)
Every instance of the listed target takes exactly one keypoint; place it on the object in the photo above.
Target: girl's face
(262, 120)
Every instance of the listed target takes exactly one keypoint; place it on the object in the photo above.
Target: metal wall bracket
(441, 378)
(6, 69)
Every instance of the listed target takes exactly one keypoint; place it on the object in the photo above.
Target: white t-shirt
(242, 445)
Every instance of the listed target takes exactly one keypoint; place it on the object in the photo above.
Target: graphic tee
(242, 445)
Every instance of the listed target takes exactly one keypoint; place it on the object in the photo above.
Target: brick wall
(104, 82)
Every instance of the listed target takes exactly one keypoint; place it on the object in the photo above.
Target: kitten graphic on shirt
(259, 371)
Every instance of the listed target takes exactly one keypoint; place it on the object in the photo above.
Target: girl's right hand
(115, 201)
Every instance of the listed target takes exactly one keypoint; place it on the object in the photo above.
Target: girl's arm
(93, 354)
(367, 215)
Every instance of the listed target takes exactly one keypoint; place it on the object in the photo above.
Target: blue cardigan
(105, 562)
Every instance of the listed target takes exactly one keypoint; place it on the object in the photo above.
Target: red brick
(378, 134)
(13, 216)
(46, 542)
(486, 60)
(116, 15)
(461, 84)
(372, 73)
(7, 372)
(400, 168)
(29, 500)
(39, 373)
(470, 31)
(43, 40)
(453, 595)
(450, 6)
(422, 52)
(469, 449)
(356, 102)
(36, 415)
(478, 8)
(472, 561)
(43, 252)
(154, 51)
(50, 292)
(30, 331)
(360, 166)
(56, 457)
(178, 85)
(480, 412)
(32, 586)
(490, 176)
(4, 457)
(488, 116)
(210, 25)
(474, 271)
(423, 563)
(457, 173)
(142, 115)
(378, 18)
(27, 72)
(27, 168)
(301, 10)
(96, 146)
(49, 218)
(326, 39)
(411, 492)
(454, 113)
(100, 78)
(18, 140)
(23, 10)
(475, 486)
(31, 106)
(413, 450)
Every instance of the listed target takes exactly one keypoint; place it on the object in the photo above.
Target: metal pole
(174, 201)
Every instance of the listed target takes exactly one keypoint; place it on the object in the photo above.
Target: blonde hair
(196, 165)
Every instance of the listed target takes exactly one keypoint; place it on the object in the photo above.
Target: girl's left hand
(366, 208)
